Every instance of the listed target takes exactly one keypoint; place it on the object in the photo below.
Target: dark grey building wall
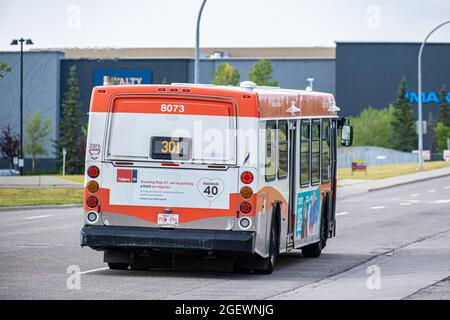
(369, 73)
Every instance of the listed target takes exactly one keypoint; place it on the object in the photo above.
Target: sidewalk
(349, 188)
(35, 181)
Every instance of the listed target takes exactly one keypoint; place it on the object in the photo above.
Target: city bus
(238, 174)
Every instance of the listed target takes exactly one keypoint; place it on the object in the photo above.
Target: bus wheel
(118, 266)
(138, 267)
(273, 251)
(312, 251)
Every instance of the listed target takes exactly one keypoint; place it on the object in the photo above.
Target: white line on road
(38, 217)
(447, 187)
(93, 270)
(377, 207)
(413, 201)
(441, 201)
(432, 190)
(415, 195)
(342, 213)
(405, 203)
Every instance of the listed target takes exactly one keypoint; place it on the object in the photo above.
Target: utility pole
(15, 42)
(419, 95)
(197, 45)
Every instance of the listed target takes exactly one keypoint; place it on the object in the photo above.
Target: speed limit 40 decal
(210, 189)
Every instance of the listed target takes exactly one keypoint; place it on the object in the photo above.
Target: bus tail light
(245, 207)
(92, 186)
(246, 192)
(247, 177)
(93, 172)
(92, 202)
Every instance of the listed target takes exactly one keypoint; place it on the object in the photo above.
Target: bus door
(333, 165)
(292, 181)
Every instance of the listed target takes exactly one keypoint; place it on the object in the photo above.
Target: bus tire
(312, 251)
(118, 266)
(270, 261)
(138, 267)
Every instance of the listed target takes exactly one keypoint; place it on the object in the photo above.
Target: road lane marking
(413, 201)
(40, 245)
(447, 187)
(405, 203)
(93, 270)
(38, 217)
(415, 195)
(342, 213)
(441, 201)
(432, 190)
(395, 199)
(377, 207)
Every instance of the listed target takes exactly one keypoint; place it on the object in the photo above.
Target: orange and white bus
(245, 173)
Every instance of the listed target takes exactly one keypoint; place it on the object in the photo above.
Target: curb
(409, 182)
(61, 206)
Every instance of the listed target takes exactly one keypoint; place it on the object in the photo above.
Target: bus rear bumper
(109, 237)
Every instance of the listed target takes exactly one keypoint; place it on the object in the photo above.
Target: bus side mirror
(347, 135)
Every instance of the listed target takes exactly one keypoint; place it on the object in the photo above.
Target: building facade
(368, 74)
(358, 74)
(41, 92)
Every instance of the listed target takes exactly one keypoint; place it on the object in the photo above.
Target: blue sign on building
(427, 97)
(124, 76)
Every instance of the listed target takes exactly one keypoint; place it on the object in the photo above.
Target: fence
(373, 156)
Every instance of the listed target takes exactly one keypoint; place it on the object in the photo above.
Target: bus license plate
(167, 218)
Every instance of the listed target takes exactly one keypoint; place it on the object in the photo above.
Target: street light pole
(197, 45)
(419, 95)
(21, 109)
(15, 42)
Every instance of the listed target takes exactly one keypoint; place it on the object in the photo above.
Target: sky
(225, 23)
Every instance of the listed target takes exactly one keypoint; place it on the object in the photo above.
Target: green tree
(36, 131)
(71, 129)
(404, 136)
(442, 134)
(261, 73)
(4, 68)
(373, 127)
(9, 145)
(226, 75)
(444, 108)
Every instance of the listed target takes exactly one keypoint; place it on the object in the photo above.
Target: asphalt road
(390, 244)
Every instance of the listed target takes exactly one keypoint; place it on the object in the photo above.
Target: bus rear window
(141, 129)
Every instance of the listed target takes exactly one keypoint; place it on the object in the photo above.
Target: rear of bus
(164, 171)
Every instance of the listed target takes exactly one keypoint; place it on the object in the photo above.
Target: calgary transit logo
(126, 175)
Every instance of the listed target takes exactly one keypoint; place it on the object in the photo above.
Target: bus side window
(326, 150)
(304, 153)
(282, 149)
(315, 152)
(270, 164)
